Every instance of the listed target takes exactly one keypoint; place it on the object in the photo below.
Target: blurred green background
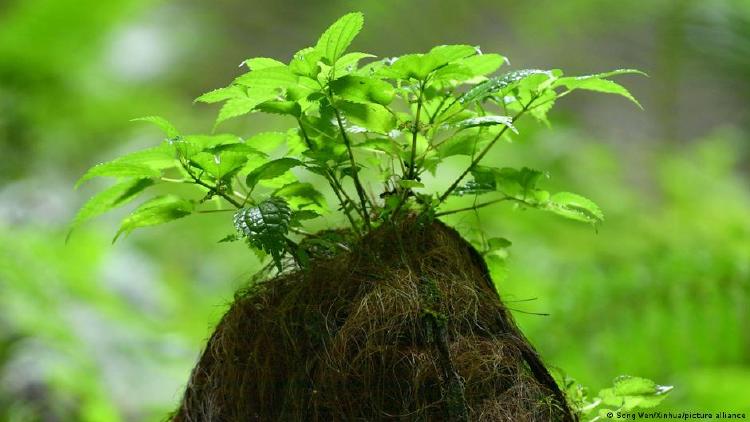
(95, 332)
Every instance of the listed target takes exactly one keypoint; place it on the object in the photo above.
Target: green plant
(626, 394)
(370, 131)
(374, 133)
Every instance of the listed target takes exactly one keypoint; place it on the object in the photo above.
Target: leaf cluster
(369, 127)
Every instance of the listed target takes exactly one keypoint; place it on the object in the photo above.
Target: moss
(406, 326)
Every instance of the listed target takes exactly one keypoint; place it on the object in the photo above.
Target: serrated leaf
(239, 106)
(267, 141)
(575, 207)
(267, 79)
(110, 198)
(186, 147)
(361, 89)
(291, 108)
(466, 142)
(410, 184)
(449, 53)
(221, 94)
(597, 84)
(499, 85)
(303, 215)
(270, 170)
(116, 169)
(266, 226)
(348, 63)
(634, 392)
(487, 121)
(372, 117)
(168, 128)
(305, 62)
(413, 66)
(145, 163)
(301, 195)
(220, 165)
(257, 63)
(158, 210)
(337, 38)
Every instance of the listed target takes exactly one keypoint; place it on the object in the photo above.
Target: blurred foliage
(95, 332)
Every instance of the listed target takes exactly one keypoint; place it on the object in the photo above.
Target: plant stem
(355, 171)
(474, 207)
(415, 132)
(341, 194)
(484, 152)
(210, 188)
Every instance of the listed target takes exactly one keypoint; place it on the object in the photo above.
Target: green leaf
(220, 165)
(337, 38)
(372, 117)
(593, 83)
(348, 63)
(449, 53)
(498, 243)
(483, 64)
(413, 66)
(221, 94)
(267, 79)
(239, 106)
(186, 147)
(575, 207)
(271, 170)
(301, 195)
(144, 163)
(633, 392)
(163, 124)
(110, 198)
(291, 108)
(303, 215)
(266, 226)
(466, 142)
(158, 210)
(501, 84)
(305, 62)
(410, 184)
(361, 89)
(257, 63)
(487, 121)
(117, 169)
(267, 141)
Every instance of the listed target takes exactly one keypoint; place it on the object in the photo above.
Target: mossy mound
(407, 326)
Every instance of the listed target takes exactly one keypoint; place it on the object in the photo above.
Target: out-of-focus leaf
(159, 210)
(634, 392)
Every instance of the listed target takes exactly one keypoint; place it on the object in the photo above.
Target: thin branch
(484, 152)
(210, 188)
(475, 207)
(415, 132)
(355, 172)
(341, 194)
